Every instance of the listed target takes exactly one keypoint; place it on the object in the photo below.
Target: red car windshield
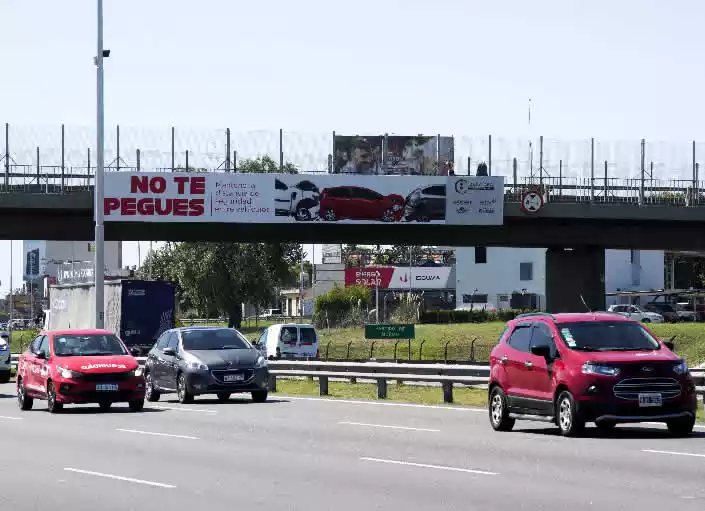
(88, 345)
(607, 336)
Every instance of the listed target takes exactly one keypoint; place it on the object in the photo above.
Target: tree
(264, 165)
(216, 278)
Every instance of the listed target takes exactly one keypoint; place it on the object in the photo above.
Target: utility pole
(99, 186)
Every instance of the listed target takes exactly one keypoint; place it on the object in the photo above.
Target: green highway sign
(389, 331)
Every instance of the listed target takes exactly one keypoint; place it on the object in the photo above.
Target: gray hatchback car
(193, 361)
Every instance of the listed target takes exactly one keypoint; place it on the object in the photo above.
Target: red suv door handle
(503, 360)
(528, 364)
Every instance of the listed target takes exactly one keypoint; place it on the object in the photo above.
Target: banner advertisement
(415, 155)
(332, 253)
(188, 197)
(475, 200)
(418, 156)
(288, 198)
(401, 277)
(34, 259)
(357, 155)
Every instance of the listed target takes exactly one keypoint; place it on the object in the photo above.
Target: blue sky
(614, 70)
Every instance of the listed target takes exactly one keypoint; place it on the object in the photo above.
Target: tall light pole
(12, 304)
(99, 188)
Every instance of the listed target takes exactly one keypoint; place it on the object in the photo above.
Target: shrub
(342, 306)
(469, 316)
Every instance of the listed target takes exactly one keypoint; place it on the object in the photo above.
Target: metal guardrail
(381, 372)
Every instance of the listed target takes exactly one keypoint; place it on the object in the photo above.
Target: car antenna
(584, 303)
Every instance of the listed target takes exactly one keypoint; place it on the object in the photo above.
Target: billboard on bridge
(287, 198)
(416, 155)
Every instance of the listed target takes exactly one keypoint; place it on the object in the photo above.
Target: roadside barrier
(447, 375)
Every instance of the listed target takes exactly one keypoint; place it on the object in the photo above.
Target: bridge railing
(54, 179)
(447, 375)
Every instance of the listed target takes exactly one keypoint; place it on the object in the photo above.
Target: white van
(290, 340)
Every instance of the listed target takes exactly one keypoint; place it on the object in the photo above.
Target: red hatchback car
(571, 369)
(77, 367)
(357, 203)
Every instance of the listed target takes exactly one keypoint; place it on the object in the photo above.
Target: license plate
(106, 387)
(650, 400)
(234, 377)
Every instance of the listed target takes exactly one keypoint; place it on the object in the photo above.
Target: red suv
(571, 369)
(79, 366)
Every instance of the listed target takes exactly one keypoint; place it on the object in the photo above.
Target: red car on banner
(358, 203)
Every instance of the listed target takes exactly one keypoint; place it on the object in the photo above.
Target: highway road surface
(310, 454)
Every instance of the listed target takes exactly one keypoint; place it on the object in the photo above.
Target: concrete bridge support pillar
(570, 273)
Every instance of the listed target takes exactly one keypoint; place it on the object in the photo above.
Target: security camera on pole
(99, 187)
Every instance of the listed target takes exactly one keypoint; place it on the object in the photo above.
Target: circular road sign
(531, 202)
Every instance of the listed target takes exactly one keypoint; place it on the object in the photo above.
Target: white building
(492, 274)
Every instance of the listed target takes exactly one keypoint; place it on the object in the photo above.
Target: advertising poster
(34, 259)
(398, 155)
(332, 253)
(288, 198)
(189, 197)
(418, 156)
(357, 155)
(360, 199)
(401, 277)
(475, 200)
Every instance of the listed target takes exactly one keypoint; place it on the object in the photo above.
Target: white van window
(308, 335)
(288, 335)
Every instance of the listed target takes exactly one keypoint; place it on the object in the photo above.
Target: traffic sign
(389, 331)
(531, 202)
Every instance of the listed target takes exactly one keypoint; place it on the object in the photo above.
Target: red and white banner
(188, 197)
(400, 277)
(288, 198)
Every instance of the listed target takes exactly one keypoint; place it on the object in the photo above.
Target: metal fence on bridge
(59, 158)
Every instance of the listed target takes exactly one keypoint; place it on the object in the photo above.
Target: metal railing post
(643, 172)
(592, 170)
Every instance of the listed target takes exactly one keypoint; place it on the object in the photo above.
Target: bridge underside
(574, 276)
(63, 224)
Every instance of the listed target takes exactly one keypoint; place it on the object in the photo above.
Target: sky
(613, 70)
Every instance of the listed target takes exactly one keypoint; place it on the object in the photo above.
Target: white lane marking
(11, 418)
(437, 467)
(404, 428)
(375, 403)
(179, 409)
(674, 453)
(664, 425)
(157, 434)
(119, 478)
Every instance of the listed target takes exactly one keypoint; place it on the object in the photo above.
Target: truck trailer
(138, 311)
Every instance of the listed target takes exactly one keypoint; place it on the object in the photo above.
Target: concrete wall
(500, 274)
(327, 275)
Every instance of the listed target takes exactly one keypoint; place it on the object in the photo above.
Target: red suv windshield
(607, 336)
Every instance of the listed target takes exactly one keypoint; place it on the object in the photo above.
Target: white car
(292, 340)
(302, 201)
(637, 314)
(685, 311)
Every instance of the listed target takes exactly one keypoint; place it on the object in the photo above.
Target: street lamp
(99, 187)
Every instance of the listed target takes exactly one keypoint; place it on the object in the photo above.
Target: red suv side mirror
(541, 351)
